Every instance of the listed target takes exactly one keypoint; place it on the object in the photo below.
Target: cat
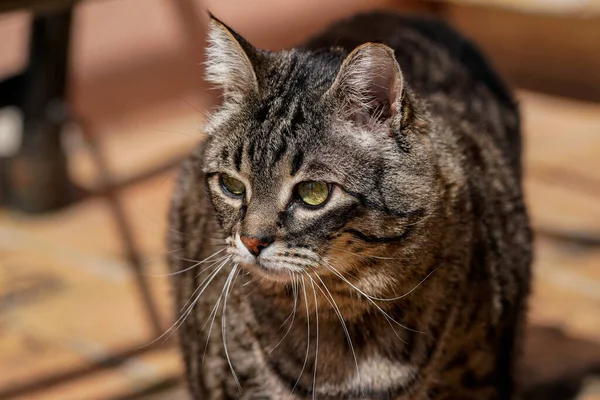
(353, 227)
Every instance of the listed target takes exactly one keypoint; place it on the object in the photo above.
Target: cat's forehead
(271, 139)
(287, 125)
(288, 71)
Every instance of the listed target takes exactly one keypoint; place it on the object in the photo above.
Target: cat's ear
(370, 84)
(228, 61)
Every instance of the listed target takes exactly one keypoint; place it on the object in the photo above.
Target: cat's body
(429, 213)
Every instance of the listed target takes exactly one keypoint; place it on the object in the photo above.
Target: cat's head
(316, 161)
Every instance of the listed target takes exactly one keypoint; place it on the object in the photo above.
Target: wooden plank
(562, 143)
(545, 53)
(562, 7)
(58, 302)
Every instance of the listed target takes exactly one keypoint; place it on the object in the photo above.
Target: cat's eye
(313, 193)
(232, 186)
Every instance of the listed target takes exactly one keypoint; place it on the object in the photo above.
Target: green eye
(232, 186)
(313, 193)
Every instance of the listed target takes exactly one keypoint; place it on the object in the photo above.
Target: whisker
(228, 282)
(213, 312)
(335, 307)
(205, 259)
(292, 314)
(307, 336)
(183, 317)
(401, 296)
(203, 285)
(221, 264)
(385, 314)
(411, 290)
(197, 263)
(213, 262)
(151, 259)
(289, 316)
(202, 112)
(249, 282)
(425, 217)
(314, 393)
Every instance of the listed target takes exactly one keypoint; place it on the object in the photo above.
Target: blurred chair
(33, 173)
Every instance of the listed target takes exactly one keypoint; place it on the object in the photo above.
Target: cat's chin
(271, 273)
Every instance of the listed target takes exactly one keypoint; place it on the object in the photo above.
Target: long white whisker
(292, 314)
(335, 308)
(159, 257)
(211, 317)
(411, 290)
(399, 297)
(385, 314)
(314, 393)
(230, 278)
(213, 312)
(201, 285)
(197, 263)
(183, 317)
(293, 282)
(216, 261)
(307, 336)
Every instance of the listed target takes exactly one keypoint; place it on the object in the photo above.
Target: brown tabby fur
(431, 214)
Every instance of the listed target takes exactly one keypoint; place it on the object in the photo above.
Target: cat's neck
(348, 337)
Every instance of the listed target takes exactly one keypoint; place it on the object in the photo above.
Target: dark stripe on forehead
(280, 151)
(408, 119)
(237, 158)
(262, 113)
(297, 162)
(225, 154)
(298, 117)
(252, 149)
(283, 89)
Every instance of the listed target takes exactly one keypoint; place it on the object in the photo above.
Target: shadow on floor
(556, 366)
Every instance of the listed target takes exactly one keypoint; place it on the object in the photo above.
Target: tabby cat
(353, 227)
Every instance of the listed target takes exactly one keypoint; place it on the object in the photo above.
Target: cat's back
(428, 50)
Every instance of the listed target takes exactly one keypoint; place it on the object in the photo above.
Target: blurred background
(101, 99)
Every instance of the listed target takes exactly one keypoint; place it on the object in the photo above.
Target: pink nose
(254, 244)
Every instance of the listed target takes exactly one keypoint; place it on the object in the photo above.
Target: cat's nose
(256, 244)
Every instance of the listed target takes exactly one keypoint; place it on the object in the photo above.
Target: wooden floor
(67, 298)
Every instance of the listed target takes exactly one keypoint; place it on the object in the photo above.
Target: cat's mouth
(277, 261)
(272, 270)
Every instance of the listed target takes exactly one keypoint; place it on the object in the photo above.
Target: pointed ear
(370, 84)
(228, 62)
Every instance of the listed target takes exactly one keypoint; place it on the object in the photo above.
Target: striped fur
(410, 282)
